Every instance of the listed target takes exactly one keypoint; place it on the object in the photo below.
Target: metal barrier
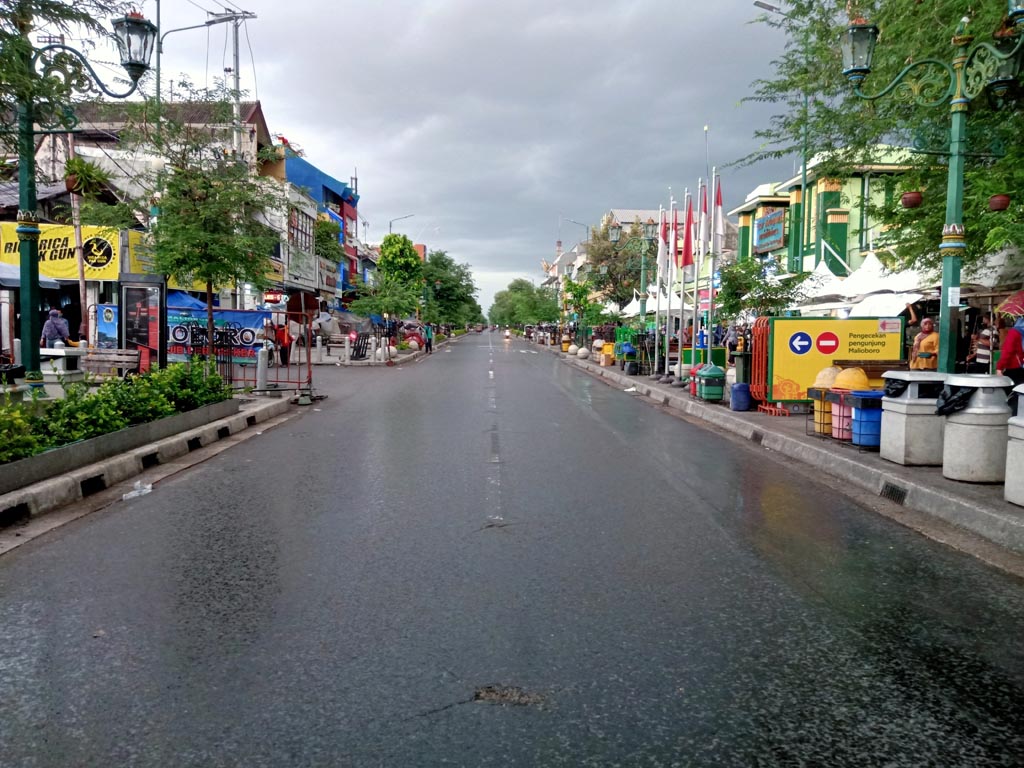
(287, 339)
(760, 333)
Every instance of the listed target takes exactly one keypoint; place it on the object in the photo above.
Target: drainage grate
(894, 493)
(756, 437)
(223, 432)
(93, 485)
(19, 513)
(194, 444)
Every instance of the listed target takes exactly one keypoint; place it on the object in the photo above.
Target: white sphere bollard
(583, 353)
(393, 351)
(573, 349)
(414, 345)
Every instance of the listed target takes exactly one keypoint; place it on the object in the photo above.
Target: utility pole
(236, 18)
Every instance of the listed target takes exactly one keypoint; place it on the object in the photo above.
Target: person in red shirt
(1011, 359)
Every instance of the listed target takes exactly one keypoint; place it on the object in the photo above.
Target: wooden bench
(110, 363)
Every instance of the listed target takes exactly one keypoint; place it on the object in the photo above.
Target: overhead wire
(252, 59)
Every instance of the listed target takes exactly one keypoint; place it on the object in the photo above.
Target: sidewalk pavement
(977, 508)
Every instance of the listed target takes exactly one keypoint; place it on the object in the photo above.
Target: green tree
(523, 304)
(326, 243)
(749, 286)
(450, 291)
(399, 258)
(845, 130)
(215, 216)
(615, 273)
(387, 295)
(18, 18)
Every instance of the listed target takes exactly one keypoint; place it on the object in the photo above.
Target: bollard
(348, 349)
(319, 349)
(262, 360)
(373, 350)
(17, 351)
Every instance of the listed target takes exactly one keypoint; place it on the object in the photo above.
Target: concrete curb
(48, 495)
(1004, 527)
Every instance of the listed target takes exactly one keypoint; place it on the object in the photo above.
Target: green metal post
(28, 232)
(643, 286)
(953, 240)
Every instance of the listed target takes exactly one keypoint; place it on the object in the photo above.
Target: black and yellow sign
(57, 251)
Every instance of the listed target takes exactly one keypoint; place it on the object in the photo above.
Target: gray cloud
(488, 120)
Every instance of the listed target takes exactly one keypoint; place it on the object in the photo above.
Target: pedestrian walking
(428, 338)
(54, 329)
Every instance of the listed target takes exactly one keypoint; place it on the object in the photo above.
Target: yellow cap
(853, 379)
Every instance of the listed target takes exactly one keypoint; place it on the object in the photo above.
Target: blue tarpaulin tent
(182, 300)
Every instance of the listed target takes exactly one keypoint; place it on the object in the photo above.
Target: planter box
(68, 458)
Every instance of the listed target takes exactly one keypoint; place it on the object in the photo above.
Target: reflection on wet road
(491, 559)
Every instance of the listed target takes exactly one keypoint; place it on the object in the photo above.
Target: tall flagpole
(682, 292)
(657, 304)
(698, 266)
(711, 273)
(670, 266)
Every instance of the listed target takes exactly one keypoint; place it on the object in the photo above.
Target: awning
(10, 277)
(884, 304)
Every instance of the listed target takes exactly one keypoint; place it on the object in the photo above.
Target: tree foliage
(325, 240)
(523, 304)
(388, 295)
(399, 259)
(845, 130)
(450, 290)
(750, 286)
(615, 268)
(19, 19)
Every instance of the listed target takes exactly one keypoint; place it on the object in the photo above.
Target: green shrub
(17, 440)
(187, 387)
(140, 399)
(79, 416)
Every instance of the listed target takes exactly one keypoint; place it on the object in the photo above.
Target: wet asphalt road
(337, 591)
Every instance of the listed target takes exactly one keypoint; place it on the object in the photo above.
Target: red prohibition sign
(827, 343)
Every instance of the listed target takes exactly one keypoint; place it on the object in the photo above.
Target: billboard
(100, 250)
(800, 347)
(769, 231)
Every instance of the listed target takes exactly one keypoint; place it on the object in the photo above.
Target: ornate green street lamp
(135, 37)
(973, 69)
(650, 228)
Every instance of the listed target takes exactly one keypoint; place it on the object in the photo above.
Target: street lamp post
(973, 68)
(135, 37)
(392, 221)
(650, 232)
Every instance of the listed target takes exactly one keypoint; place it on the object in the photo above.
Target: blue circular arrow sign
(800, 343)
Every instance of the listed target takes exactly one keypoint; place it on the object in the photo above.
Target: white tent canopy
(822, 283)
(884, 304)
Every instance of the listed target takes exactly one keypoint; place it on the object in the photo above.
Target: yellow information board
(57, 251)
(800, 347)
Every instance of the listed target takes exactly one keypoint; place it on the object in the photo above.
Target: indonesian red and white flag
(687, 256)
(662, 247)
(719, 220)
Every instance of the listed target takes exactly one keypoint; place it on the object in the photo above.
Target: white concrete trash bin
(911, 430)
(1014, 490)
(974, 445)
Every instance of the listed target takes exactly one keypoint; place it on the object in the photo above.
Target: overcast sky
(491, 120)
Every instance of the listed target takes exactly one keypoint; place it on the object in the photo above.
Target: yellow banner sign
(800, 347)
(57, 251)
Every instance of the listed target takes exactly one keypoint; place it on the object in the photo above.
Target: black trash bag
(10, 372)
(951, 401)
(895, 387)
